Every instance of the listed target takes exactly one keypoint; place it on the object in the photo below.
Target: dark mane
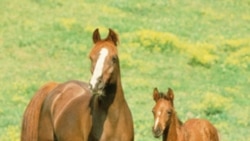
(162, 95)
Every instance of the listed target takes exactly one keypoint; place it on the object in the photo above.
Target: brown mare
(166, 122)
(77, 111)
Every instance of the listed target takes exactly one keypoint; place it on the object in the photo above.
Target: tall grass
(199, 48)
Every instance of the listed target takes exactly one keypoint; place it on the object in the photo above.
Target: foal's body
(200, 130)
(191, 130)
(172, 129)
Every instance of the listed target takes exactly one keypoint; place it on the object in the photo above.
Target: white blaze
(98, 67)
(157, 120)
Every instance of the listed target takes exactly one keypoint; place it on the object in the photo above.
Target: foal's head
(162, 110)
(104, 61)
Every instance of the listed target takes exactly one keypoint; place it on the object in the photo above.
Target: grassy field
(199, 48)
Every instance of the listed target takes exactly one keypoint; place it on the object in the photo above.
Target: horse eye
(169, 112)
(153, 112)
(91, 58)
(114, 59)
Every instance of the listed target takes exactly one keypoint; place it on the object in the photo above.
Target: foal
(166, 122)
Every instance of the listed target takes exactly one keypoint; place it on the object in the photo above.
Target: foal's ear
(156, 95)
(96, 36)
(170, 94)
(112, 36)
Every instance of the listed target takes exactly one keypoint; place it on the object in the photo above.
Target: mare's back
(200, 130)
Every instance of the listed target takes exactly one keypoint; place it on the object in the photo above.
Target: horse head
(104, 61)
(162, 111)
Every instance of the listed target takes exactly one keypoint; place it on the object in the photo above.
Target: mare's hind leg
(45, 129)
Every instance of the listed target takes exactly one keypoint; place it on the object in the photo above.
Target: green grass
(199, 48)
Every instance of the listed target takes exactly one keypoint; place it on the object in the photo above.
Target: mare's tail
(31, 115)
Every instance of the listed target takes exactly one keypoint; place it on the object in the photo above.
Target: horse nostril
(157, 132)
(90, 86)
(99, 80)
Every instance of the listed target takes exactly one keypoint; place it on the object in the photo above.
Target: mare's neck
(172, 131)
(112, 94)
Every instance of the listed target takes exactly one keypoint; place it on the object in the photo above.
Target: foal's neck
(171, 133)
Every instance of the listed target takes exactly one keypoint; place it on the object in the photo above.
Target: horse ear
(96, 36)
(170, 94)
(156, 94)
(112, 36)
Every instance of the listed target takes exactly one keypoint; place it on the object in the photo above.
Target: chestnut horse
(78, 111)
(166, 122)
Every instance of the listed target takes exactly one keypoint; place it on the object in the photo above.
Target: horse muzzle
(157, 132)
(97, 89)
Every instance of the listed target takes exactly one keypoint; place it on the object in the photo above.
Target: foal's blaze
(162, 111)
(103, 61)
(166, 122)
